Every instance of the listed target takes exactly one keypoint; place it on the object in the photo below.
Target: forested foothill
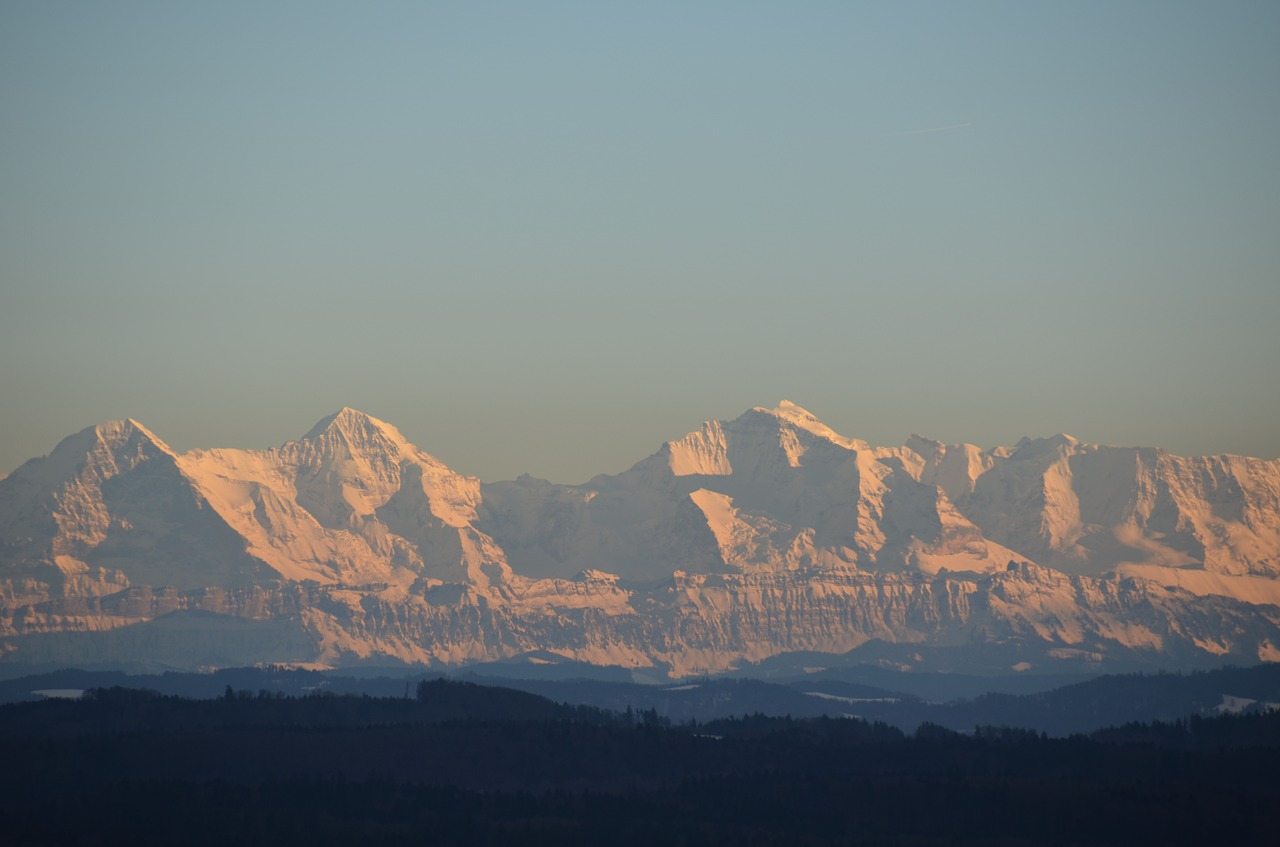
(1060, 706)
(458, 763)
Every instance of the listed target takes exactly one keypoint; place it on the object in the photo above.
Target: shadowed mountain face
(765, 535)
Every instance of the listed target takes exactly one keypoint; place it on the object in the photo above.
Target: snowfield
(765, 535)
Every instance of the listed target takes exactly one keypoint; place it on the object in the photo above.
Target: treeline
(1080, 707)
(1112, 700)
(119, 709)
(464, 764)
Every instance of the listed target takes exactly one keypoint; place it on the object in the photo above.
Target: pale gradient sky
(546, 237)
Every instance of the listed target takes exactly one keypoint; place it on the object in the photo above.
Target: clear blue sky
(546, 237)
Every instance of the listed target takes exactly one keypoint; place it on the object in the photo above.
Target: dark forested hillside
(1060, 711)
(465, 764)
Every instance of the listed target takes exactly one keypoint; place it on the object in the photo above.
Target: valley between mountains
(768, 538)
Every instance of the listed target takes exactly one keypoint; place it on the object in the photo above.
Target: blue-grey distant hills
(765, 537)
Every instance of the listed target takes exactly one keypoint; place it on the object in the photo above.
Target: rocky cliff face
(765, 535)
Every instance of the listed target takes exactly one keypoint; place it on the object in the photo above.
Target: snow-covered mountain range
(749, 539)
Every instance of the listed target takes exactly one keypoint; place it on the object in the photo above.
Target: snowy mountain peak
(349, 434)
(786, 410)
(125, 429)
(116, 435)
(923, 446)
(748, 537)
(789, 413)
(348, 422)
(1028, 447)
(110, 443)
(93, 454)
(786, 407)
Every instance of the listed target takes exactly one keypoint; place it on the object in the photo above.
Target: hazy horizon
(548, 238)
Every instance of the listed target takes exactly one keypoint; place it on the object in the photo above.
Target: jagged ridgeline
(747, 541)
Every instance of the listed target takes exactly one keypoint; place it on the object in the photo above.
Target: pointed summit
(359, 434)
(801, 418)
(112, 506)
(786, 408)
(350, 445)
(719, 446)
(109, 446)
(125, 428)
(128, 434)
(348, 421)
(112, 434)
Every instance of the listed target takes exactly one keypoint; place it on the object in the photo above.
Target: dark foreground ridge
(467, 764)
(1058, 706)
